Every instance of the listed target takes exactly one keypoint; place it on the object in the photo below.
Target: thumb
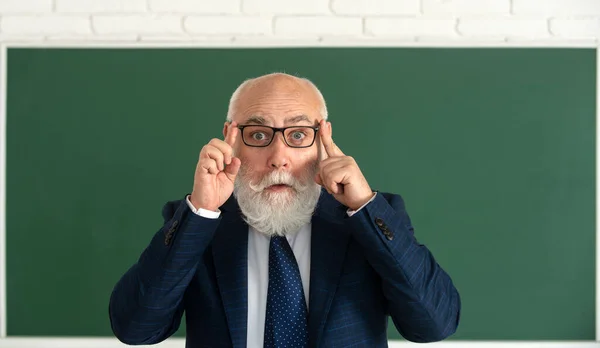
(232, 168)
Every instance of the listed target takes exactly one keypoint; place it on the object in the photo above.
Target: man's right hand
(216, 172)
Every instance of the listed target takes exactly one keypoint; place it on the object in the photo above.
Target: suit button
(389, 235)
(168, 239)
(379, 222)
(173, 227)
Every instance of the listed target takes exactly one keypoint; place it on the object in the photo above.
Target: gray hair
(236, 95)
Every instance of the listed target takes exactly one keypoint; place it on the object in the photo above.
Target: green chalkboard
(492, 149)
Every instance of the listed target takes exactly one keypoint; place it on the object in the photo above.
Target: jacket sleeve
(420, 296)
(146, 304)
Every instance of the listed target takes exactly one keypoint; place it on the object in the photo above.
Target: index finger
(232, 133)
(330, 148)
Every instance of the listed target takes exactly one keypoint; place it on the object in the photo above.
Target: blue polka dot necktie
(286, 318)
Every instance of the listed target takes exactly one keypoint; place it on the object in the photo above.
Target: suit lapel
(328, 249)
(230, 254)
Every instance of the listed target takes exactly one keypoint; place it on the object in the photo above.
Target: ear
(225, 128)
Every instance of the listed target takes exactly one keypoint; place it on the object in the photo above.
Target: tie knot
(278, 239)
(281, 243)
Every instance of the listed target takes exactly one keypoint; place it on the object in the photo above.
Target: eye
(298, 135)
(258, 136)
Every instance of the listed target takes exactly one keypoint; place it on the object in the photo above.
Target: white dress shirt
(258, 270)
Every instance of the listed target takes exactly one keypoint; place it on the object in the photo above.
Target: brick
(365, 41)
(410, 27)
(93, 38)
(45, 25)
(22, 6)
(464, 7)
(507, 26)
(196, 6)
(556, 7)
(202, 39)
(304, 7)
(376, 7)
(20, 38)
(552, 41)
(228, 25)
(460, 40)
(274, 41)
(95, 6)
(137, 24)
(575, 28)
(305, 25)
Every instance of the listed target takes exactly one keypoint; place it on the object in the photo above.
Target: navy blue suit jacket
(364, 268)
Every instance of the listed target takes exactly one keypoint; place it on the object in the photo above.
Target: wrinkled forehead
(293, 120)
(278, 104)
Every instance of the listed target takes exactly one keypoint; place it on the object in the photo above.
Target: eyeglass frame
(282, 130)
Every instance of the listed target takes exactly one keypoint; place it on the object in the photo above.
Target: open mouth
(278, 187)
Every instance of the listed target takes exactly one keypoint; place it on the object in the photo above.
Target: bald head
(264, 91)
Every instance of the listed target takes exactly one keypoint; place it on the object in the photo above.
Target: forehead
(275, 102)
(290, 120)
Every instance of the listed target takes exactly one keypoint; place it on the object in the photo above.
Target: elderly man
(283, 243)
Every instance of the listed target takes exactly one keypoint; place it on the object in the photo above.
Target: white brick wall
(20, 6)
(137, 24)
(44, 25)
(376, 7)
(557, 7)
(505, 26)
(195, 6)
(466, 7)
(229, 25)
(93, 6)
(319, 26)
(411, 27)
(295, 21)
(576, 28)
(289, 7)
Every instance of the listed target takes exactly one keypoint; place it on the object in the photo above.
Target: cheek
(311, 156)
(307, 160)
(248, 158)
(238, 150)
(254, 165)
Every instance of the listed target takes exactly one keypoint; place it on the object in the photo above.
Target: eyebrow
(290, 120)
(256, 120)
(296, 119)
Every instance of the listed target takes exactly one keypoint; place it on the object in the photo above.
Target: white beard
(277, 213)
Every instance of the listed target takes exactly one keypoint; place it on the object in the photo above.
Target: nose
(279, 156)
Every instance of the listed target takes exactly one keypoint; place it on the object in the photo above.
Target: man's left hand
(339, 174)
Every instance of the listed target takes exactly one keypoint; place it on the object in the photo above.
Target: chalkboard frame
(47, 342)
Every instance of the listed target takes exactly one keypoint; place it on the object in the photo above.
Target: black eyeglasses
(294, 136)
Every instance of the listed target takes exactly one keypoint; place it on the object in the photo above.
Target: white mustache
(278, 178)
